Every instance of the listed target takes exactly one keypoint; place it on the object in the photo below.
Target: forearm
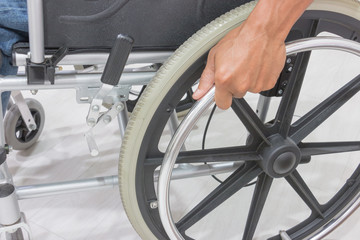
(251, 57)
(275, 18)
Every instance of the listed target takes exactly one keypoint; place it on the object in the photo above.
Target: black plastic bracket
(38, 73)
(283, 79)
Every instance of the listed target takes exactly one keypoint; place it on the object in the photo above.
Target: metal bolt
(32, 127)
(95, 108)
(120, 107)
(107, 119)
(91, 122)
(288, 60)
(34, 91)
(154, 205)
(290, 69)
(280, 92)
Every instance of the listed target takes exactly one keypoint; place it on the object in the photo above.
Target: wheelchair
(263, 144)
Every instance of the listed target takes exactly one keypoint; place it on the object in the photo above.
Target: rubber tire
(165, 78)
(11, 118)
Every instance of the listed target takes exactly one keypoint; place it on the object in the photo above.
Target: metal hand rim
(303, 45)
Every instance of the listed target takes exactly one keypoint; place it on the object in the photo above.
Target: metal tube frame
(36, 30)
(82, 82)
(100, 58)
(123, 119)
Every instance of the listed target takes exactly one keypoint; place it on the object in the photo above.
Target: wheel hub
(280, 158)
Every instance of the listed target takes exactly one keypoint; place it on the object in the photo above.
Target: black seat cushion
(154, 24)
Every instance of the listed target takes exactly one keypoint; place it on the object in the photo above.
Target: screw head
(91, 122)
(95, 108)
(288, 60)
(107, 119)
(32, 127)
(34, 91)
(154, 205)
(120, 107)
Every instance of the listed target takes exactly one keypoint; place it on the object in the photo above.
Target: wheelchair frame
(88, 87)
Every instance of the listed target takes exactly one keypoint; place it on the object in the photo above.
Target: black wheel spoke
(229, 187)
(311, 149)
(20, 123)
(298, 184)
(291, 95)
(37, 117)
(306, 124)
(28, 136)
(251, 121)
(262, 189)
(230, 154)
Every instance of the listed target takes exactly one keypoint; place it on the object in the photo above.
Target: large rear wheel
(198, 204)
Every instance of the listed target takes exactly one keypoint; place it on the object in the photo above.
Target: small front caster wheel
(16, 133)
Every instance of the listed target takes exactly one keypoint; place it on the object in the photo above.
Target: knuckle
(223, 78)
(243, 87)
(257, 89)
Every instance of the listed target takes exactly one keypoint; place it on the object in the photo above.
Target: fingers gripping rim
(190, 51)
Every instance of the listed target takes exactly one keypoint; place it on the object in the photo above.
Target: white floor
(62, 154)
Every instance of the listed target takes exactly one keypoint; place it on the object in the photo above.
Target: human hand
(245, 60)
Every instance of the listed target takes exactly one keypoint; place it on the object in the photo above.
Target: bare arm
(251, 57)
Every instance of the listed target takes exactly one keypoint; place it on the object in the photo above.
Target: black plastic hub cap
(280, 158)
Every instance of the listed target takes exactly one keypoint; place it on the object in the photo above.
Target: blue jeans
(13, 29)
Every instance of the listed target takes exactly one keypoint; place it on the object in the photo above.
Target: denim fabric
(13, 28)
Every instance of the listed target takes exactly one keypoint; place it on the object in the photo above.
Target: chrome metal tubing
(10, 210)
(50, 189)
(72, 81)
(2, 133)
(170, 158)
(338, 219)
(123, 119)
(263, 107)
(5, 176)
(199, 108)
(190, 171)
(36, 30)
(101, 58)
(319, 43)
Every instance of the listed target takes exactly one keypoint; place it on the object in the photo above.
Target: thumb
(207, 79)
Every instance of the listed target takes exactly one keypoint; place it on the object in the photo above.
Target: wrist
(275, 18)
